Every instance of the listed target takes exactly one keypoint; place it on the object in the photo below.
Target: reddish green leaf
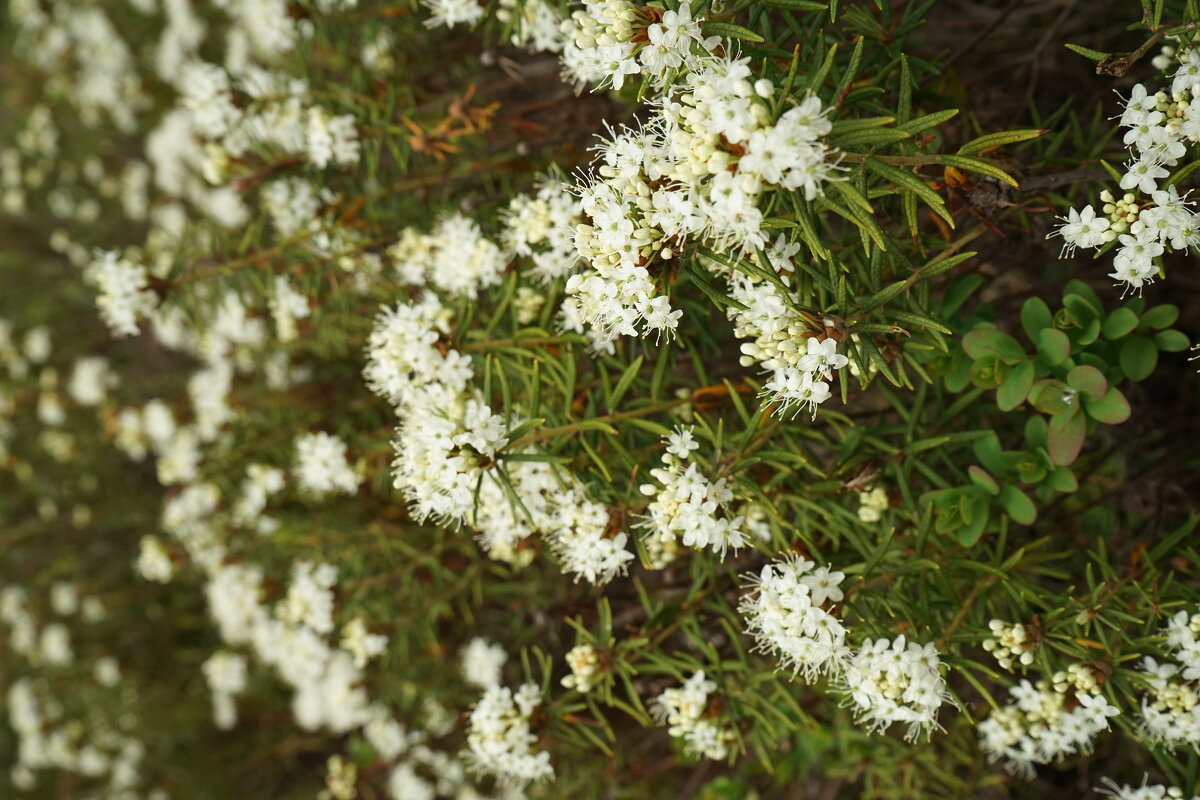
(1112, 409)
(1064, 438)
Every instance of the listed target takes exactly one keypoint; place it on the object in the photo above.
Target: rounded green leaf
(1035, 431)
(1160, 317)
(1080, 308)
(1016, 387)
(1089, 381)
(1172, 341)
(1089, 332)
(991, 342)
(1062, 479)
(1119, 323)
(1139, 357)
(1112, 409)
(989, 452)
(981, 478)
(1018, 505)
(1047, 396)
(1080, 289)
(1053, 346)
(1035, 315)
(970, 532)
(1064, 437)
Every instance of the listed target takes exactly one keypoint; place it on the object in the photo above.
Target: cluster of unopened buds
(1122, 214)
(1078, 678)
(587, 668)
(872, 504)
(1011, 642)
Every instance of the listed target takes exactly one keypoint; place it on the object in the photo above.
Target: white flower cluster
(90, 381)
(154, 563)
(695, 171)
(687, 506)
(447, 443)
(685, 711)
(260, 483)
(287, 305)
(325, 681)
(1041, 725)
(1171, 707)
(226, 676)
(784, 341)
(1147, 791)
(789, 613)
(405, 364)
(1150, 218)
(1010, 643)
(90, 745)
(541, 227)
(124, 296)
(361, 643)
(608, 40)
(482, 662)
(454, 257)
(534, 24)
(48, 741)
(448, 13)
(1077, 678)
(441, 455)
(321, 465)
(332, 139)
(896, 681)
(499, 739)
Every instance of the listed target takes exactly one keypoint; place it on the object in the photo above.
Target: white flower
(1143, 173)
(1082, 229)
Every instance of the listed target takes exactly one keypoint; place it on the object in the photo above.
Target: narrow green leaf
(991, 141)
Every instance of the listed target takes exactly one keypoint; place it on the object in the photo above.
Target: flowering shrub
(594, 399)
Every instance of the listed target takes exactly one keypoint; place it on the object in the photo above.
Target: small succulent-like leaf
(1047, 396)
(1138, 357)
(1088, 380)
(1035, 315)
(1111, 409)
(1172, 341)
(983, 479)
(989, 341)
(1016, 386)
(1053, 346)
(1018, 505)
(1064, 437)
(1160, 317)
(1120, 322)
(1062, 479)
(970, 532)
